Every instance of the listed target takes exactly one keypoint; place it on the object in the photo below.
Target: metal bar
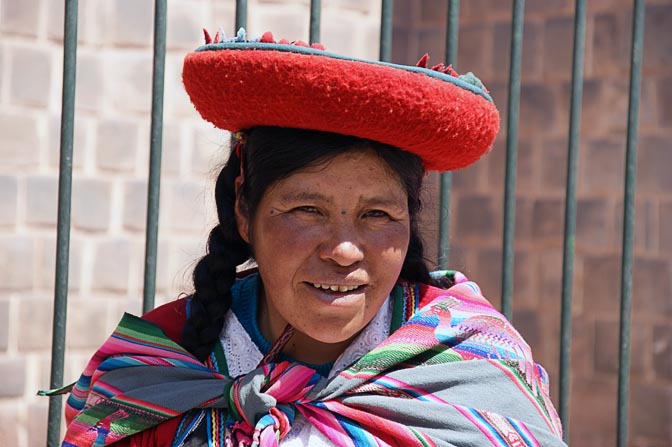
(386, 30)
(241, 14)
(315, 17)
(570, 212)
(63, 224)
(629, 220)
(452, 28)
(156, 140)
(511, 156)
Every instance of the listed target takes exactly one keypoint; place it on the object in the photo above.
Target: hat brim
(447, 122)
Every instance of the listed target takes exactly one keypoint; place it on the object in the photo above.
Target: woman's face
(330, 242)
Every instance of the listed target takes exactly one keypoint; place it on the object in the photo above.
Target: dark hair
(271, 154)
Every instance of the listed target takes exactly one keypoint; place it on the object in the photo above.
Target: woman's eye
(307, 209)
(376, 214)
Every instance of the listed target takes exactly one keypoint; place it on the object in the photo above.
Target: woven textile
(455, 373)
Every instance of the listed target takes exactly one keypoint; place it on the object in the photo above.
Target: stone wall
(477, 197)
(111, 163)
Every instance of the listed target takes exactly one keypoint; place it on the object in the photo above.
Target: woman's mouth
(335, 288)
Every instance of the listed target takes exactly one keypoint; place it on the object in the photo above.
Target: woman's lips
(335, 287)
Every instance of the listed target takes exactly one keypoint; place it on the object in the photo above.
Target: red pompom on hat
(448, 121)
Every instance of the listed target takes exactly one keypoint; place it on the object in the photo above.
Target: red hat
(449, 121)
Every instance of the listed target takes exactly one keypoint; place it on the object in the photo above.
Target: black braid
(215, 273)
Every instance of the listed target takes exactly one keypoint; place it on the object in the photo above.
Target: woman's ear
(242, 214)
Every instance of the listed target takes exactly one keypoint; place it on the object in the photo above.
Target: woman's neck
(300, 347)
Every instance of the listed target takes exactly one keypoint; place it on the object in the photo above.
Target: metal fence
(66, 163)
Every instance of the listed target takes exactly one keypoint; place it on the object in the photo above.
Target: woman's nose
(343, 250)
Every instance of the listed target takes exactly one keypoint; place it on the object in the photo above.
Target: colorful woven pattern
(456, 373)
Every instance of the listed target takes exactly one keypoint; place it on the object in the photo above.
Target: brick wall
(477, 210)
(111, 162)
(110, 170)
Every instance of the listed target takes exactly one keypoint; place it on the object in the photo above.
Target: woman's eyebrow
(300, 196)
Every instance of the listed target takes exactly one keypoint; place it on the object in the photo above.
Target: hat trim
(263, 46)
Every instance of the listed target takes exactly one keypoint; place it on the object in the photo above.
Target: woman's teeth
(335, 288)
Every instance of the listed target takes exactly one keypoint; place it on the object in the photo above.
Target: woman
(340, 336)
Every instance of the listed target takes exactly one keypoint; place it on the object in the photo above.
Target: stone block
(46, 262)
(111, 265)
(172, 155)
(548, 219)
(558, 43)
(185, 20)
(651, 411)
(583, 346)
(343, 37)
(89, 94)
(128, 81)
(468, 179)
(477, 218)
(549, 7)
(365, 6)
(473, 10)
(30, 76)
(10, 420)
(653, 158)
(20, 140)
(87, 325)
(13, 372)
(135, 205)
(35, 312)
(662, 351)
(607, 346)
(432, 12)
(189, 206)
(16, 262)
(117, 145)
(665, 101)
(524, 216)
(652, 287)
(404, 45)
(525, 169)
(646, 224)
(38, 416)
(42, 200)
(20, 17)
(592, 416)
(209, 150)
(8, 200)
(4, 325)
(176, 101)
(657, 36)
(91, 204)
(525, 278)
(611, 43)
(537, 110)
(664, 219)
(553, 161)
(532, 55)
(600, 95)
(593, 224)
(489, 274)
(602, 293)
(605, 156)
(132, 23)
(549, 271)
